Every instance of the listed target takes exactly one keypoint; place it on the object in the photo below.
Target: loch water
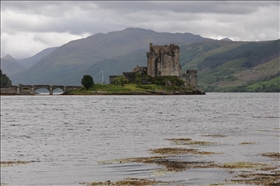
(66, 137)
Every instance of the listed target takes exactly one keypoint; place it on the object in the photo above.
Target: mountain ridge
(222, 65)
(10, 66)
(30, 61)
(79, 54)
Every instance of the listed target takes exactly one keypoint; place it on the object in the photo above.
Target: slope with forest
(234, 66)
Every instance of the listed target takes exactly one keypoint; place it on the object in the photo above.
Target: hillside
(223, 65)
(235, 66)
(10, 66)
(29, 62)
(68, 63)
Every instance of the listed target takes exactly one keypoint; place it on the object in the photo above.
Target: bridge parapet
(25, 89)
(30, 89)
(9, 90)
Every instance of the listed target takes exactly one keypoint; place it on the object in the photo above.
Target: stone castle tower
(164, 61)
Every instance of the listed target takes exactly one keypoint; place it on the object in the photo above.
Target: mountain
(223, 65)
(68, 63)
(234, 66)
(10, 66)
(28, 62)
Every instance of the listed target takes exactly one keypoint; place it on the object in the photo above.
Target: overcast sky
(29, 27)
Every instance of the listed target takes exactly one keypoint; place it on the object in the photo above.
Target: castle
(163, 61)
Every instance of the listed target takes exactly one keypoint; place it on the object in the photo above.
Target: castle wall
(130, 76)
(142, 70)
(190, 77)
(164, 61)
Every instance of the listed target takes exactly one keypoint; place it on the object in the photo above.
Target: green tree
(4, 79)
(87, 81)
(120, 80)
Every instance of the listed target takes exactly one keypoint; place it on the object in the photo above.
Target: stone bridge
(30, 89)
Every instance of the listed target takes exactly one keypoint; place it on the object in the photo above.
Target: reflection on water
(44, 91)
(65, 137)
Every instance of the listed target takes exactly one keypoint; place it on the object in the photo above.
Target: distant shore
(194, 92)
(127, 89)
(119, 93)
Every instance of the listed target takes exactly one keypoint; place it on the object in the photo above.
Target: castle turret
(164, 60)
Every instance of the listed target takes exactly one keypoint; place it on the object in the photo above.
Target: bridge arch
(48, 87)
(30, 89)
(25, 89)
(60, 87)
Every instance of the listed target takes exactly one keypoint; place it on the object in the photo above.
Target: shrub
(120, 80)
(4, 80)
(87, 81)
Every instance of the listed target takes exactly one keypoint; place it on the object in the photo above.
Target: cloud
(36, 25)
(23, 45)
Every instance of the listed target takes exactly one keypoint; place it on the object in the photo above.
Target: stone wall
(142, 70)
(164, 61)
(130, 76)
(9, 90)
(190, 77)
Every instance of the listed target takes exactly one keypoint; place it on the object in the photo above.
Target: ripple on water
(64, 137)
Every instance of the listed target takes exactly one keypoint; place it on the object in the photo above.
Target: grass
(103, 89)
(131, 88)
(111, 88)
(231, 76)
(268, 83)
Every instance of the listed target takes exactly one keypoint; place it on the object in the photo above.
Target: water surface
(66, 136)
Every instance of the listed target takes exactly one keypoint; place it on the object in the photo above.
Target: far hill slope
(222, 65)
(10, 66)
(234, 66)
(74, 58)
(28, 62)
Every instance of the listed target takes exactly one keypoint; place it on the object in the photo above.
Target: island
(162, 76)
